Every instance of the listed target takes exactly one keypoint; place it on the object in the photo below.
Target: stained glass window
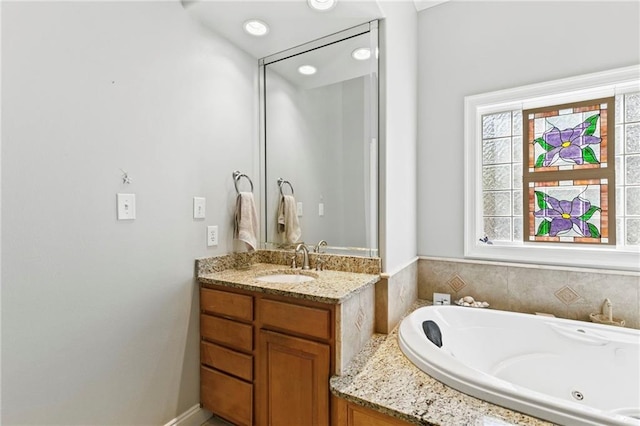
(568, 138)
(566, 150)
(555, 166)
(588, 126)
(569, 211)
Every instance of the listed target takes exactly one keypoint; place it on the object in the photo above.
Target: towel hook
(236, 177)
(282, 182)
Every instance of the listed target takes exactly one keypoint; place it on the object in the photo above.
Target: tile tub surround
(395, 294)
(571, 293)
(380, 377)
(354, 325)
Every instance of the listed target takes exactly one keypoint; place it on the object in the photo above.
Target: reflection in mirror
(320, 136)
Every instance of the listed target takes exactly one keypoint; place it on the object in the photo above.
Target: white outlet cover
(199, 207)
(299, 208)
(126, 204)
(441, 299)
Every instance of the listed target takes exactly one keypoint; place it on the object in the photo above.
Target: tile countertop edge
(381, 378)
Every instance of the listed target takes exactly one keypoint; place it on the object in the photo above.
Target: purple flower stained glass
(571, 145)
(565, 215)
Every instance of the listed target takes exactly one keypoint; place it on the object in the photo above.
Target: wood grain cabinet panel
(304, 320)
(289, 342)
(294, 380)
(227, 304)
(223, 359)
(346, 413)
(230, 398)
(226, 332)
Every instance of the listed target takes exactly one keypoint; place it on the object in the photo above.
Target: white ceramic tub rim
(463, 378)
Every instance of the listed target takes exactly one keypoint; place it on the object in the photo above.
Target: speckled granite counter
(328, 287)
(382, 378)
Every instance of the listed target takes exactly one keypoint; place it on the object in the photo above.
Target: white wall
(398, 101)
(100, 317)
(467, 48)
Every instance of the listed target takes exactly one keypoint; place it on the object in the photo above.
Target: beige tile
(533, 290)
(487, 283)
(622, 290)
(382, 306)
(402, 293)
(433, 276)
(357, 323)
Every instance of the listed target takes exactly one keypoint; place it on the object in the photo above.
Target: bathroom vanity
(269, 349)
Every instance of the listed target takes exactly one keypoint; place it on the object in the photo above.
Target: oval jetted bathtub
(567, 372)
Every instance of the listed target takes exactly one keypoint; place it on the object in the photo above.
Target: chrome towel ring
(282, 182)
(236, 177)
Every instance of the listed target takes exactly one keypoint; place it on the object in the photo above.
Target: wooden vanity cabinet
(266, 359)
(345, 413)
(227, 355)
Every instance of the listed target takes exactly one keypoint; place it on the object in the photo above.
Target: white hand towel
(288, 226)
(246, 220)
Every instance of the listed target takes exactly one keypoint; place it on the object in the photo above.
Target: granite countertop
(382, 378)
(328, 287)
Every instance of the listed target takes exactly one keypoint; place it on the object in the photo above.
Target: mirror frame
(374, 110)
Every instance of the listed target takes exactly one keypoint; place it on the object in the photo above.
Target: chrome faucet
(318, 246)
(305, 255)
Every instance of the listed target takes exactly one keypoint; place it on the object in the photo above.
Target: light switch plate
(299, 208)
(199, 207)
(212, 236)
(126, 206)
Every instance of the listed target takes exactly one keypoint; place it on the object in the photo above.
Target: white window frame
(590, 86)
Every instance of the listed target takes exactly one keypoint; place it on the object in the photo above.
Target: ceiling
(291, 22)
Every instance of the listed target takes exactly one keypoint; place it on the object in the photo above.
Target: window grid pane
(628, 168)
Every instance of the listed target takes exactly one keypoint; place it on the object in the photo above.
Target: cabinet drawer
(227, 304)
(314, 322)
(227, 332)
(230, 398)
(232, 362)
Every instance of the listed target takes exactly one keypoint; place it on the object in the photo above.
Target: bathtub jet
(564, 371)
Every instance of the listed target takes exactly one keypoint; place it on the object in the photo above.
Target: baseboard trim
(194, 416)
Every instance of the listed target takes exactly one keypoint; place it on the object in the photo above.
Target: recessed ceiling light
(322, 5)
(255, 27)
(361, 54)
(307, 70)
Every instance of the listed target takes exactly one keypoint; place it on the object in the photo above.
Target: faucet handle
(318, 246)
(320, 264)
(294, 264)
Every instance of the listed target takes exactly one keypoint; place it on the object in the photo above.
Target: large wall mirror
(319, 133)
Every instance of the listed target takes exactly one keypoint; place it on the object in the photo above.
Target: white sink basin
(285, 278)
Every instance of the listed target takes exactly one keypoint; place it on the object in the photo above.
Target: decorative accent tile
(360, 318)
(567, 295)
(456, 283)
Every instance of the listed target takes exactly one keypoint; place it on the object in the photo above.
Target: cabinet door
(294, 381)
